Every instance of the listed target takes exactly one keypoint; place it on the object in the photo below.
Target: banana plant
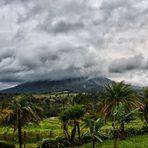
(120, 117)
(94, 129)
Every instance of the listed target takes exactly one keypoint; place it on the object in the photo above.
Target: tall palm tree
(119, 92)
(21, 111)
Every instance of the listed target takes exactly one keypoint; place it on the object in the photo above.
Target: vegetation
(73, 115)
(131, 142)
(94, 129)
(119, 92)
(120, 117)
(20, 111)
(145, 101)
(70, 119)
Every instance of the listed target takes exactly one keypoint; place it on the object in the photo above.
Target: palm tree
(119, 92)
(21, 111)
(145, 101)
(5, 114)
(72, 114)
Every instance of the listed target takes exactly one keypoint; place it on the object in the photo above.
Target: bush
(59, 142)
(135, 132)
(145, 128)
(48, 143)
(62, 141)
(86, 139)
(4, 144)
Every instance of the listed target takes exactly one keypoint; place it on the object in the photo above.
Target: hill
(81, 84)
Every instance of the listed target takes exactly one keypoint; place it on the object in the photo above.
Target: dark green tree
(118, 92)
(145, 101)
(21, 111)
(94, 128)
(120, 116)
(72, 115)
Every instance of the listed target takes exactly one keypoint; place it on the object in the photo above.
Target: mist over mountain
(80, 84)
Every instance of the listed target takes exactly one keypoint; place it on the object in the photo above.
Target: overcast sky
(55, 39)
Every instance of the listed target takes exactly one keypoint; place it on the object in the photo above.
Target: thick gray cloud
(46, 39)
(124, 65)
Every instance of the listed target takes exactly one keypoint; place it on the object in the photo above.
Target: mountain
(71, 84)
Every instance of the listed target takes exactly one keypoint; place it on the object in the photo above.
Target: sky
(56, 39)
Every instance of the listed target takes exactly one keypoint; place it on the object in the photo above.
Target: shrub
(145, 128)
(48, 143)
(4, 144)
(59, 142)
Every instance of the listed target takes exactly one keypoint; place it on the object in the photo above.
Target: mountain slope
(72, 84)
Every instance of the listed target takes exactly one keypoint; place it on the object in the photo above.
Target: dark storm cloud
(5, 54)
(63, 27)
(124, 65)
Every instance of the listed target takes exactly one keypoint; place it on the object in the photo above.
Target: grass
(29, 146)
(44, 126)
(50, 124)
(53, 95)
(131, 142)
(134, 124)
(34, 132)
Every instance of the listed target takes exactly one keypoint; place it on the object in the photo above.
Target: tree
(119, 92)
(73, 115)
(94, 128)
(120, 116)
(5, 114)
(145, 101)
(21, 111)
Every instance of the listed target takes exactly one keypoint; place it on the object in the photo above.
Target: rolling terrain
(80, 84)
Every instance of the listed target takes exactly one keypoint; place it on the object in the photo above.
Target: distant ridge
(80, 84)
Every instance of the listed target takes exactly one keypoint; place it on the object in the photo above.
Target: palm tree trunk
(93, 141)
(146, 112)
(19, 129)
(73, 133)
(78, 128)
(116, 135)
(24, 139)
(122, 131)
(66, 130)
(116, 142)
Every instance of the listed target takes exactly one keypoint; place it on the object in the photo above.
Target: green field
(34, 132)
(131, 142)
(42, 130)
